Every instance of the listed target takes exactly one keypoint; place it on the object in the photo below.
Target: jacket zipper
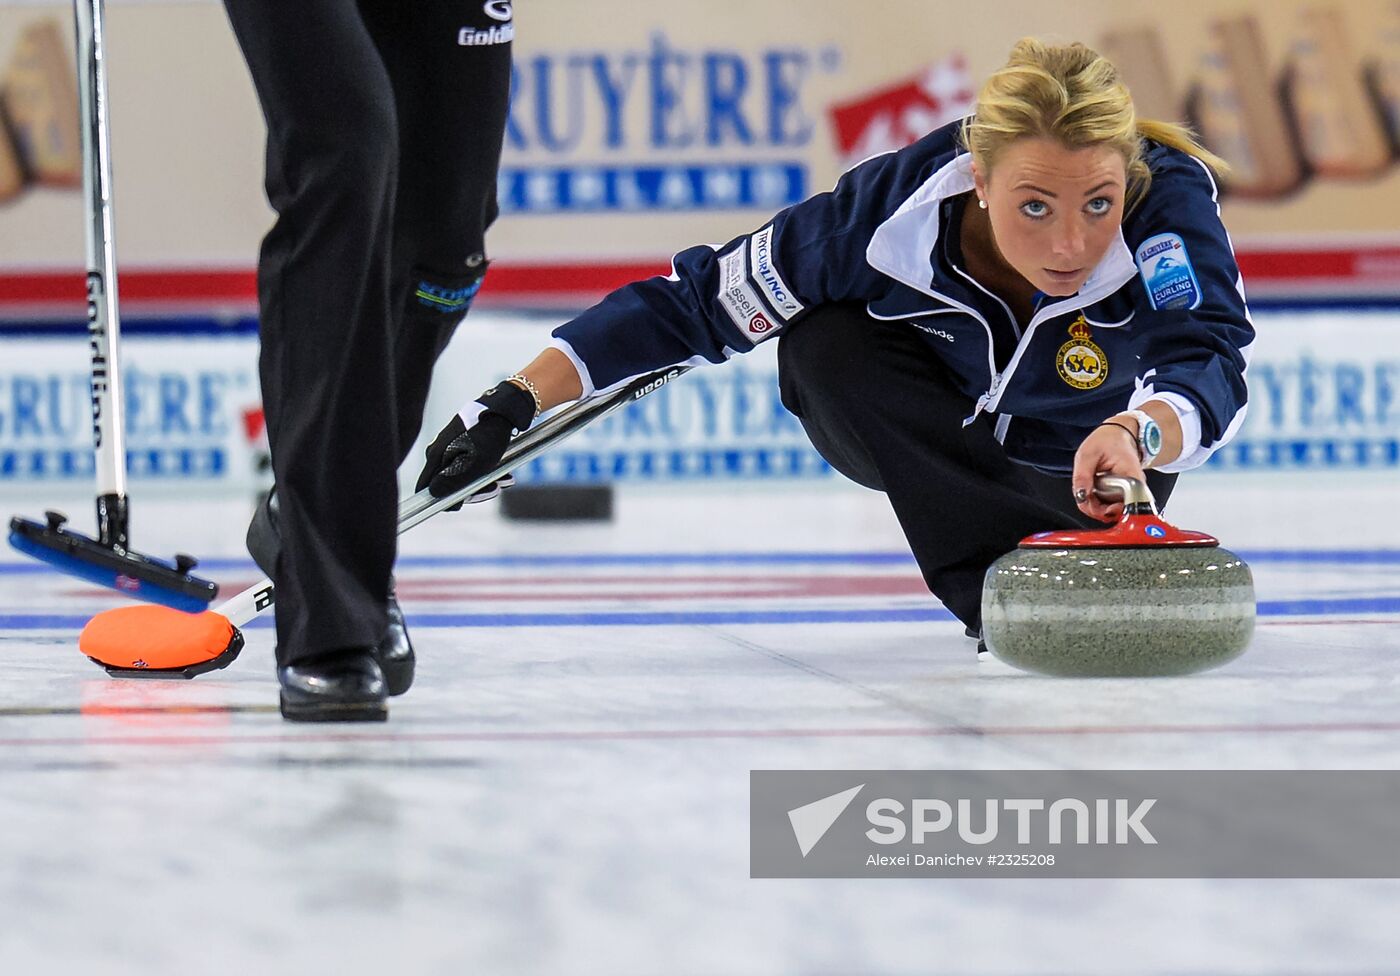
(991, 358)
(986, 398)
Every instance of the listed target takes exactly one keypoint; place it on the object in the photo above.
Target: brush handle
(416, 509)
(104, 327)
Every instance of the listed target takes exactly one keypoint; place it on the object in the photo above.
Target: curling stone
(1139, 599)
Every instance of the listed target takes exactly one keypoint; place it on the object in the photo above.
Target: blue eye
(1100, 206)
(1035, 209)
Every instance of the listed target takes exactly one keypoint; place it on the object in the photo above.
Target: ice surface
(565, 789)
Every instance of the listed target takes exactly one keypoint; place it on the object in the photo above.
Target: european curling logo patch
(444, 299)
(1167, 272)
(1080, 362)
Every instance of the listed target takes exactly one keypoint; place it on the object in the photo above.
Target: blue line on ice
(669, 618)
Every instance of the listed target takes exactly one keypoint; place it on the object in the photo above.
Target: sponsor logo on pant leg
(478, 37)
(446, 299)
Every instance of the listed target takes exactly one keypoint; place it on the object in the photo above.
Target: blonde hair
(1072, 94)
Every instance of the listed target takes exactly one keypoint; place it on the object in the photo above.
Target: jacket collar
(902, 246)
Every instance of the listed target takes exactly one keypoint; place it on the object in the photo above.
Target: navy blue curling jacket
(1161, 317)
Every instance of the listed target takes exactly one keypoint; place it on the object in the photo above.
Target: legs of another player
(324, 292)
(452, 101)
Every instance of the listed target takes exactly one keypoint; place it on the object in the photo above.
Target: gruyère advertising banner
(1324, 396)
(637, 129)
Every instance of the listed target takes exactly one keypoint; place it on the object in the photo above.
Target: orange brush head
(147, 640)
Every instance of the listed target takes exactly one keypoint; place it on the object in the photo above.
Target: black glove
(461, 454)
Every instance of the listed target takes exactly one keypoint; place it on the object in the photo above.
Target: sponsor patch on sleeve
(740, 301)
(765, 274)
(1167, 272)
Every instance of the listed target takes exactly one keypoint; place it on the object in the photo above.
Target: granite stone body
(1119, 612)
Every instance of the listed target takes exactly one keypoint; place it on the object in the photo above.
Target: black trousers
(384, 138)
(882, 409)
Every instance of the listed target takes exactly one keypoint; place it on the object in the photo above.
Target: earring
(982, 203)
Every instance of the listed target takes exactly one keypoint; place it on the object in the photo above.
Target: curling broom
(107, 560)
(151, 641)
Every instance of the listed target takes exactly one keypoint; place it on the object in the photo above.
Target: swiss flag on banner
(893, 117)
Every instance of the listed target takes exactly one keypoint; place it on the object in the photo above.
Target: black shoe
(264, 544)
(977, 636)
(394, 652)
(344, 686)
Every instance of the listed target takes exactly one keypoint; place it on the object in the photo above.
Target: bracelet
(524, 381)
(1128, 430)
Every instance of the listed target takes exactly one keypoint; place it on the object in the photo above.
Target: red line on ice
(625, 735)
(525, 589)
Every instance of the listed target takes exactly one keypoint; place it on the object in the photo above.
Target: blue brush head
(129, 573)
